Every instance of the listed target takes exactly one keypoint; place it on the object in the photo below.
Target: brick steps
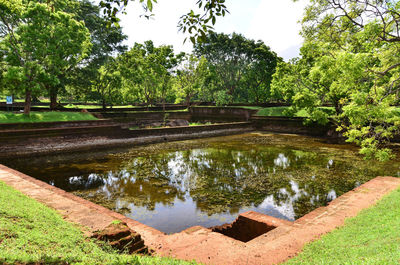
(121, 237)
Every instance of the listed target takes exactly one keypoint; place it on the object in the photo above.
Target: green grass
(33, 233)
(247, 107)
(73, 106)
(372, 237)
(280, 111)
(199, 123)
(272, 111)
(9, 117)
(77, 106)
(275, 111)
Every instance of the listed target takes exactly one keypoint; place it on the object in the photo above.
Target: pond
(173, 186)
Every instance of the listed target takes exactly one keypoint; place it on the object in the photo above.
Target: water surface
(207, 182)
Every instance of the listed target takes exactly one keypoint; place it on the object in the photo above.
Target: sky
(273, 21)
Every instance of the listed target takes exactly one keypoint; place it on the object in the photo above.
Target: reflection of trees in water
(79, 182)
(142, 181)
(226, 180)
(222, 176)
(220, 180)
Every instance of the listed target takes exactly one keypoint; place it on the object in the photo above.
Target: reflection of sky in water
(208, 186)
(282, 161)
(184, 172)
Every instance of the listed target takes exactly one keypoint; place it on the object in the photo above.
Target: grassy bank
(9, 117)
(280, 111)
(372, 237)
(33, 233)
(99, 107)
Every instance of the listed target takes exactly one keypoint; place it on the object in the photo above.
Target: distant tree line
(349, 60)
(67, 48)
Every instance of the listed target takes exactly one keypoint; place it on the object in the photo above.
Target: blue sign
(9, 100)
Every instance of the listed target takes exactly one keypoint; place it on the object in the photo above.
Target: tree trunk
(163, 104)
(28, 100)
(104, 104)
(149, 102)
(188, 102)
(338, 108)
(53, 98)
(35, 99)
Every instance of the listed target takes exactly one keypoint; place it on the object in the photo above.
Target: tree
(148, 70)
(107, 42)
(38, 43)
(239, 63)
(258, 75)
(347, 61)
(196, 24)
(191, 78)
(108, 83)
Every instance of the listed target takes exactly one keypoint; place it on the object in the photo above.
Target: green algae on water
(176, 185)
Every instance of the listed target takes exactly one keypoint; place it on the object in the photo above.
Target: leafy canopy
(243, 67)
(196, 23)
(38, 43)
(348, 61)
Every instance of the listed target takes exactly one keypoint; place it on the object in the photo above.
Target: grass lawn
(279, 111)
(272, 111)
(276, 111)
(73, 106)
(32, 233)
(9, 117)
(77, 106)
(199, 123)
(247, 107)
(372, 237)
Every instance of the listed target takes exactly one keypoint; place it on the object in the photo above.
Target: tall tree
(149, 69)
(240, 64)
(39, 42)
(347, 61)
(191, 78)
(108, 83)
(107, 42)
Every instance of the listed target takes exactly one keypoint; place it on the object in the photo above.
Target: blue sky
(272, 21)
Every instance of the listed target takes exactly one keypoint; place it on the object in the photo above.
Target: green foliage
(147, 72)
(108, 83)
(32, 233)
(199, 123)
(242, 68)
(196, 24)
(287, 111)
(371, 237)
(7, 117)
(347, 61)
(222, 98)
(191, 79)
(39, 43)
(106, 42)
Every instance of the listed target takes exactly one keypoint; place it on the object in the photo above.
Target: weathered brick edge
(98, 208)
